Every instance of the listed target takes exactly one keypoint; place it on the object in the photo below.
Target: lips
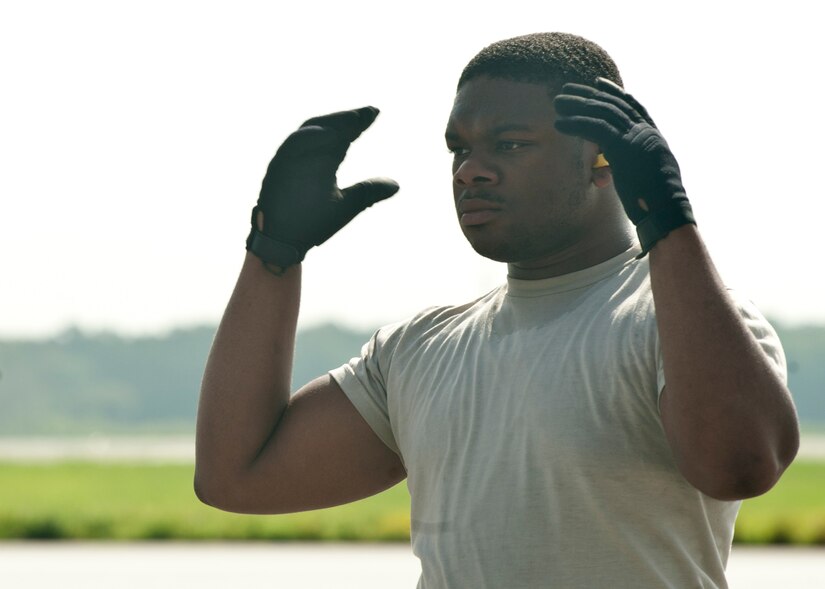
(475, 211)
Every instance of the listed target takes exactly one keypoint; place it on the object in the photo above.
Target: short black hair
(553, 59)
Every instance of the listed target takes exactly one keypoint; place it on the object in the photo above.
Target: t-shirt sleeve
(363, 380)
(761, 329)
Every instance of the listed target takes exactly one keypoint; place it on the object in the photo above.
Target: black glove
(300, 199)
(644, 170)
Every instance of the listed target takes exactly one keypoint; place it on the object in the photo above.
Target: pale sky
(134, 136)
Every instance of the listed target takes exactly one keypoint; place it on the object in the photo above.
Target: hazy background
(133, 139)
(134, 135)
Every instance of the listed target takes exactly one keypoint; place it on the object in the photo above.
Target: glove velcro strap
(274, 252)
(659, 223)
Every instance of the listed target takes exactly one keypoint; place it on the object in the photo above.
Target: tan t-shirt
(528, 423)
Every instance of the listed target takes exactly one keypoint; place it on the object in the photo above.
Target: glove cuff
(272, 251)
(659, 223)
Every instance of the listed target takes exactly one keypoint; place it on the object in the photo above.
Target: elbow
(741, 485)
(744, 477)
(759, 472)
(210, 491)
(204, 491)
(226, 491)
(733, 463)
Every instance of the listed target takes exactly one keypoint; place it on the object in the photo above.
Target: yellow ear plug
(600, 162)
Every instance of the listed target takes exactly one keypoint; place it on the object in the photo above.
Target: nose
(472, 171)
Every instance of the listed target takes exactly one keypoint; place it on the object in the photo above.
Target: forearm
(729, 418)
(247, 380)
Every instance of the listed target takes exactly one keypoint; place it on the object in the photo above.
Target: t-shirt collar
(578, 279)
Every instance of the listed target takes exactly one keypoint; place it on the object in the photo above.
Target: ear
(600, 171)
(602, 177)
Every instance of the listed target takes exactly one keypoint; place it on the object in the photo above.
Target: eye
(457, 150)
(509, 145)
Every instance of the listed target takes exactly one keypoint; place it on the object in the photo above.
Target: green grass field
(84, 500)
(793, 512)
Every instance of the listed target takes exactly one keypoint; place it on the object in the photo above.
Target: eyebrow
(510, 127)
(504, 128)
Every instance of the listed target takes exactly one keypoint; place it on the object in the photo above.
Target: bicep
(322, 453)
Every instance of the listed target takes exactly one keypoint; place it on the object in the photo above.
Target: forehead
(485, 102)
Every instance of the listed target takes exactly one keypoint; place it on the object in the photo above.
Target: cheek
(543, 179)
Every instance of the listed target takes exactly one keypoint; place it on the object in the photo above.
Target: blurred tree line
(104, 383)
(82, 382)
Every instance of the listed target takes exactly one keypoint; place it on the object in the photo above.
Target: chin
(496, 251)
(517, 248)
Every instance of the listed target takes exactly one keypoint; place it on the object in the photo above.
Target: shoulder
(433, 321)
(393, 345)
(442, 316)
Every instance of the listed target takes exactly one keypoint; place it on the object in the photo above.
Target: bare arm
(257, 450)
(728, 417)
(246, 383)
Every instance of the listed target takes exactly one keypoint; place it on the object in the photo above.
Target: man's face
(522, 190)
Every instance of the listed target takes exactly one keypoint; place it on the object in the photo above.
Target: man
(592, 423)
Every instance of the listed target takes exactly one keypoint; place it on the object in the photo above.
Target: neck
(582, 254)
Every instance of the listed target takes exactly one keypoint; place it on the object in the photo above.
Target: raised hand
(645, 173)
(300, 201)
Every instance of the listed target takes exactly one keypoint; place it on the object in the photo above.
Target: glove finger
(349, 123)
(329, 135)
(619, 102)
(568, 106)
(616, 90)
(355, 199)
(359, 196)
(596, 130)
(308, 140)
